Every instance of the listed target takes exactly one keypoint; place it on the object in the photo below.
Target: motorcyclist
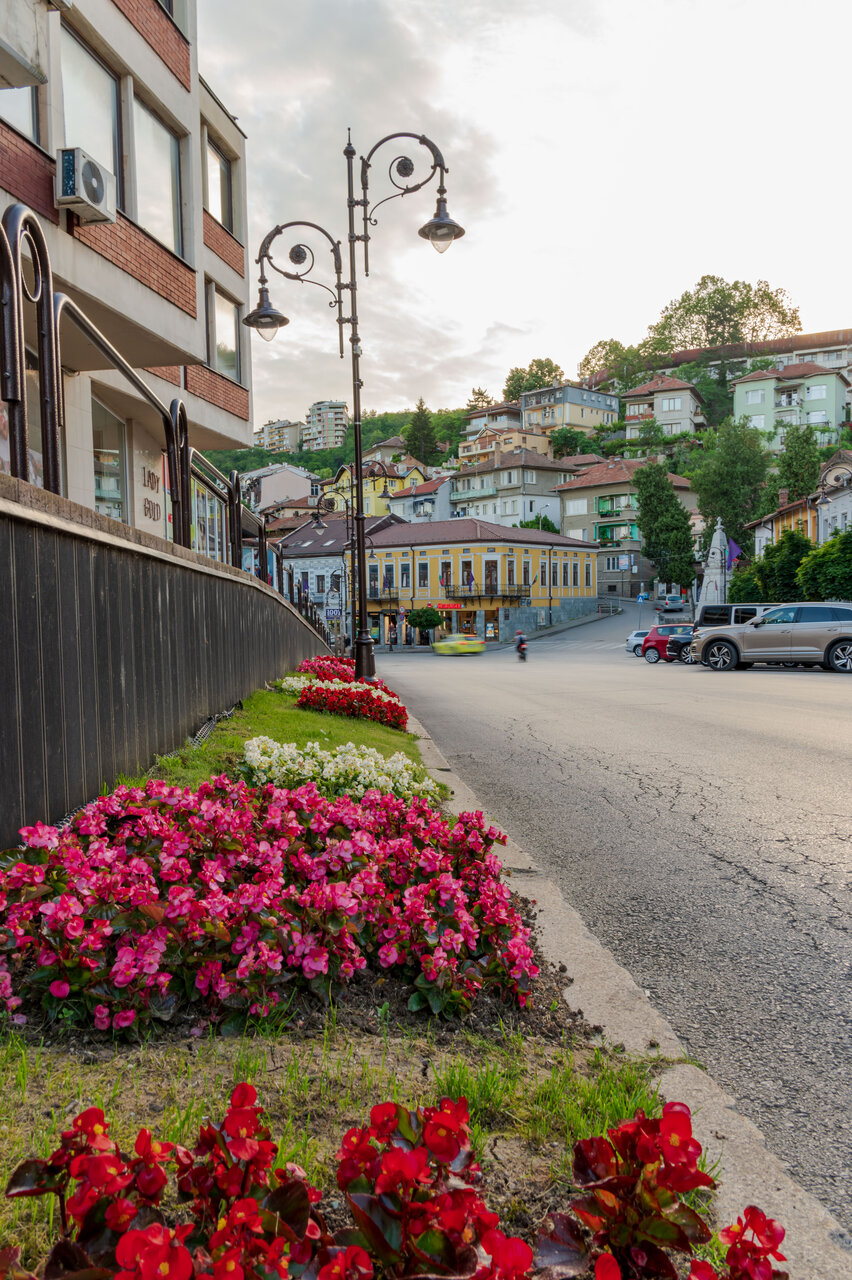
(520, 643)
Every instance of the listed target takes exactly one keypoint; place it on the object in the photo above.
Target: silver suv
(810, 634)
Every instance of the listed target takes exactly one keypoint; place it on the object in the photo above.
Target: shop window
(209, 526)
(91, 107)
(108, 443)
(157, 178)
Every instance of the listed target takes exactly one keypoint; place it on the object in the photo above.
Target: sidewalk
(816, 1245)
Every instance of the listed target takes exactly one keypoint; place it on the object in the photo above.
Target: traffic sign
(640, 599)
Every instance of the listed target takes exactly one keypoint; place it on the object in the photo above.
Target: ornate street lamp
(441, 230)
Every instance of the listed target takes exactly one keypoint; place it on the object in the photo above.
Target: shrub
(162, 899)
(347, 770)
(360, 701)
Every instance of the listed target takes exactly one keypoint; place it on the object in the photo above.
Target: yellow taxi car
(455, 645)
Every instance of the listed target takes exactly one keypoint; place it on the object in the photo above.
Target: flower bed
(165, 899)
(329, 668)
(360, 701)
(347, 770)
(410, 1183)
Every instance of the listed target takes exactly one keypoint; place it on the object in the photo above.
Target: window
(575, 573)
(565, 574)
(19, 108)
(817, 392)
(670, 403)
(754, 395)
(387, 577)
(90, 106)
(423, 574)
(757, 420)
(575, 506)
(110, 473)
(321, 584)
(776, 617)
(157, 178)
(220, 201)
(514, 507)
(510, 572)
(817, 416)
(526, 573)
(529, 477)
(224, 322)
(816, 613)
(405, 577)
(446, 573)
(554, 574)
(588, 573)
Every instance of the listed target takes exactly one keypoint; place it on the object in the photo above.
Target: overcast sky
(602, 155)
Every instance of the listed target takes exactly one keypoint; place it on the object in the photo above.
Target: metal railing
(21, 230)
(489, 590)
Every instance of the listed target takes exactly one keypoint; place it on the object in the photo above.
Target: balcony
(388, 595)
(487, 591)
(473, 495)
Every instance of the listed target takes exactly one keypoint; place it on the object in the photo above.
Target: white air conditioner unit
(84, 186)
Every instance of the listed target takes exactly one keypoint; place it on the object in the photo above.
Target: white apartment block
(163, 272)
(325, 425)
(280, 436)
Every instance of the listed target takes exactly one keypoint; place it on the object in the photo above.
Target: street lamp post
(441, 230)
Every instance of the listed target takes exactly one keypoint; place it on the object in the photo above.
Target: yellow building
(485, 579)
(378, 479)
(489, 444)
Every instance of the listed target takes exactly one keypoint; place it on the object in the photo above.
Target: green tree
(420, 435)
(745, 584)
(624, 367)
(538, 373)
(779, 564)
(716, 312)
(541, 522)
(424, 619)
(650, 434)
(729, 480)
(566, 441)
(826, 572)
(664, 525)
(479, 399)
(799, 464)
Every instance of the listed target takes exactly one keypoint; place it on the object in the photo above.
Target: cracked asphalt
(700, 824)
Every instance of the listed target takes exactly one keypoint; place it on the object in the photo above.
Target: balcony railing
(487, 590)
(473, 495)
(390, 594)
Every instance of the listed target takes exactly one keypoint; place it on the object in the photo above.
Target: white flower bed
(293, 684)
(347, 770)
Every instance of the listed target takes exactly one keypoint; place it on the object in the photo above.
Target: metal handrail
(20, 227)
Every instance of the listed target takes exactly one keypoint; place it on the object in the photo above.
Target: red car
(655, 643)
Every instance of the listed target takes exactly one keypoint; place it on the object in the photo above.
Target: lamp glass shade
(265, 319)
(441, 230)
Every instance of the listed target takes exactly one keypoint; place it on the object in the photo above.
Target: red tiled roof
(466, 529)
(492, 408)
(431, 486)
(790, 373)
(618, 471)
(662, 383)
(580, 460)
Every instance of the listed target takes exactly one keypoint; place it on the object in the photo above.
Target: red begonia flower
(512, 1256)
(245, 1095)
(606, 1268)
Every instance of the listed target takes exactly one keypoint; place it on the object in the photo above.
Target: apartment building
(325, 425)
(513, 487)
(152, 245)
(429, 501)
(378, 483)
(801, 394)
(279, 436)
(602, 504)
(491, 441)
(677, 407)
(568, 404)
(270, 487)
(499, 416)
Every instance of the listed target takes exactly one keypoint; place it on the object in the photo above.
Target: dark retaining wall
(115, 646)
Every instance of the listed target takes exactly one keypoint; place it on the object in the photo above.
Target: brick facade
(142, 257)
(27, 173)
(169, 373)
(217, 390)
(224, 245)
(157, 28)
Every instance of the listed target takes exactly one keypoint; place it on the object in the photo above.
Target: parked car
(679, 648)
(803, 633)
(720, 615)
(672, 603)
(460, 644)
(634, 642)
(655, 644)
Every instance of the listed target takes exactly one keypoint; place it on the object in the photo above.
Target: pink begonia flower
(124, 1018)
(102, 1018)
(59, 989)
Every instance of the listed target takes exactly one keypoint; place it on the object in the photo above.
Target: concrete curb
(816, 1245)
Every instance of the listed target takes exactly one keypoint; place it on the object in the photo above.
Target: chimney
(783, 497)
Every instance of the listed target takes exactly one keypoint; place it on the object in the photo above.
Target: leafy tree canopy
(538, 373)
(777, 567)
(664, 526)
(826, 572)
(566, 441)
(479, 399)
(625, 367)
(799, 464)
(420, 435)
(541, 522)
(729, 478)
(745, 584)
(424, 619)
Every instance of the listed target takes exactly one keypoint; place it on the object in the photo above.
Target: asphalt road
(701, 824)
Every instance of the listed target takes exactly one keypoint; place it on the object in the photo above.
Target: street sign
(640, 599)
(332, 613)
